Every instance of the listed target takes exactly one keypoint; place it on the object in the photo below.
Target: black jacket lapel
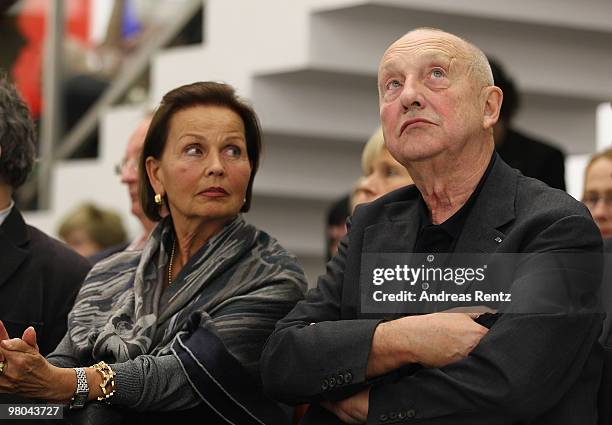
(398, 232)
(13, 244)
(493, 208)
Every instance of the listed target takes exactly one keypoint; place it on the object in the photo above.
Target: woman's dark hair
(17, 137)
(201, 93)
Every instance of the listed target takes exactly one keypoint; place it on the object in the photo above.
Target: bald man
(129, 176)
(356, 364)
(127, 171)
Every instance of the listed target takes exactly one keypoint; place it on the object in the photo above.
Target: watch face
(78, 401)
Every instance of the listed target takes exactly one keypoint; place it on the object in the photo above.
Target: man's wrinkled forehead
(423, 44)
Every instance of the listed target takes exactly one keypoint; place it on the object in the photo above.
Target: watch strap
(82, 390)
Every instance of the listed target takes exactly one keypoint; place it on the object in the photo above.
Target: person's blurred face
(335, 233)
(204, 169)
(384, 176)
(81, 242)
(129, 166)
(428, 101)
(598, 194)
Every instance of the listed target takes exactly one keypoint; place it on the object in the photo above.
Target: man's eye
(437, 73)
(393, 84)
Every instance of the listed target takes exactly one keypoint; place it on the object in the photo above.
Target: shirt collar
(5, 212)
(454, 224)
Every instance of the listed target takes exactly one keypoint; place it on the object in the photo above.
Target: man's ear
(493, 97)
(155, 175)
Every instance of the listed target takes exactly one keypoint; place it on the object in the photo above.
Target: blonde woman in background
(597, 195)
(381, 172)
(89, 229)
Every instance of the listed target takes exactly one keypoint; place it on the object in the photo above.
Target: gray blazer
(530, 368)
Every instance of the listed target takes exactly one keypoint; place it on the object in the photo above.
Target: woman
(181, 324)
(382, 173)
(597, 194)
(89, 229)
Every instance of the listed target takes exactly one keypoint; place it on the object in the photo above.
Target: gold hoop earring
(158, 199)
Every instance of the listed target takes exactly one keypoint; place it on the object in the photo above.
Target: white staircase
(309, 69)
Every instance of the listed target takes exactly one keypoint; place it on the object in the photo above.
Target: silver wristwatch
(82, 390)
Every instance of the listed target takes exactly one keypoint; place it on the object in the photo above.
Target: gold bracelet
(108, 380)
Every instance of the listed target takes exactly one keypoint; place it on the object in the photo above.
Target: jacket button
(325, 385)
(340, 379)
(332, 382)
(383, 418)
(348, 377)
(410, 413)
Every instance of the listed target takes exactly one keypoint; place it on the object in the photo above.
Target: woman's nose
(600, 210)
(215, 165)
(370, 185)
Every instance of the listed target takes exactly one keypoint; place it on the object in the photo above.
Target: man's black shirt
(441, 238)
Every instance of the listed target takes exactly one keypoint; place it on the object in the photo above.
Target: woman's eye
(234, 151)
(193, 150)
(391, 172)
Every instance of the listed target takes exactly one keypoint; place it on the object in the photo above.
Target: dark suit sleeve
(313, 354)
(520, 369)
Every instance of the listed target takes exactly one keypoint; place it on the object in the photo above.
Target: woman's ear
(155, 175)
(493, 97)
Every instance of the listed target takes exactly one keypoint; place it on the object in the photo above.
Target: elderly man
(438, 106)
(127, 170)
(39, 276)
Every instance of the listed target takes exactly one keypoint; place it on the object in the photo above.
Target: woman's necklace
(170, 263)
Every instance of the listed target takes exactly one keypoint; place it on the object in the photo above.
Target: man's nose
(129, 173)
(411, 96)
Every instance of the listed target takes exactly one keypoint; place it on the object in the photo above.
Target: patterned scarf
(118, 314)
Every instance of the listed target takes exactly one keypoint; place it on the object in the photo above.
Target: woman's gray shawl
(237, 285)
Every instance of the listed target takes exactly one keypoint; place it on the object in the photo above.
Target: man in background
(127, 170)
(532, 157)
(39, 276)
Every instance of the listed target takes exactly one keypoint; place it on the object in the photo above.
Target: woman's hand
(28, 373)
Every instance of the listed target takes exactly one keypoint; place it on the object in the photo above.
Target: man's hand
(352, 410)
(433, 340)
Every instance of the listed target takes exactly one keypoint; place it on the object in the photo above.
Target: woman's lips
(214, 192)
